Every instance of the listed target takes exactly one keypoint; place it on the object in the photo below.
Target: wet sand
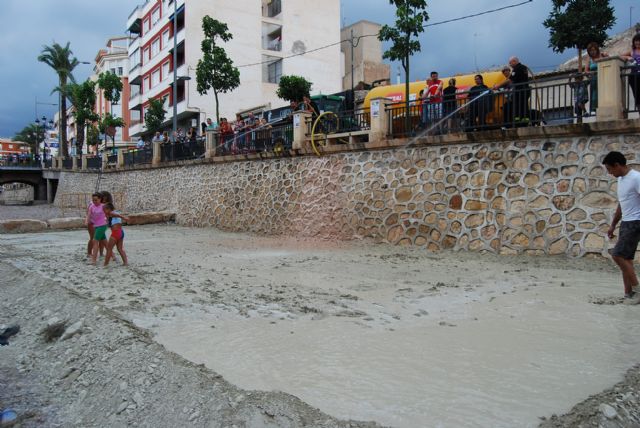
(399, 336)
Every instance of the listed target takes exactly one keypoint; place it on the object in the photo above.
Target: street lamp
(45, 125)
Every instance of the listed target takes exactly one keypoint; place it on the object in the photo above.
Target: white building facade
(271, 38)
(114, 58)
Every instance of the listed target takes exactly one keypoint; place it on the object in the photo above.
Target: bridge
(44, 182)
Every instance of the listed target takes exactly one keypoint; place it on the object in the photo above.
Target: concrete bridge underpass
(44, 183)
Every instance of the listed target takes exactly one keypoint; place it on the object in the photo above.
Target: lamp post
(37, 123)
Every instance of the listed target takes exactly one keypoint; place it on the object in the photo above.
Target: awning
(135, 27)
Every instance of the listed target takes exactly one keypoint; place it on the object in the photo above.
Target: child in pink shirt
(98, 220)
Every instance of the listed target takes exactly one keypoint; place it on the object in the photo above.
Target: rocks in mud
(54, 329)
(151, 217)
(72, 330)
(70, 223)
(608, 411)
(57, 329)
(22, 226)
(66, 223)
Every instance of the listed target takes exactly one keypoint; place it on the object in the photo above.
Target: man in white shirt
(629, 212)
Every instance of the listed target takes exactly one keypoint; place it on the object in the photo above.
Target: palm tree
(62, 61)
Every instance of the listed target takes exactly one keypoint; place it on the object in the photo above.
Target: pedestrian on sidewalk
(628, 211)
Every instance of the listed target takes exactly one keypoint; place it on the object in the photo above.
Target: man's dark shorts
(628, 240)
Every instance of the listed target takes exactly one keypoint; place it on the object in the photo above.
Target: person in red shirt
(432, 100)
(226, 135)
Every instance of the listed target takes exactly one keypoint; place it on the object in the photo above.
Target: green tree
(411, 16)
(573, 24)
(83, 98)
(215, 70)
(62, 61)
(111, 86)
(108, 125)
(293, 88)
(154, 115)
(31, 134)
(93, 135)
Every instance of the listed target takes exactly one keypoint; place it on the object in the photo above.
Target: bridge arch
(30, 176)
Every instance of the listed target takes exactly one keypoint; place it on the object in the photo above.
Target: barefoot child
(105, 198)
(95, 200)
(96, 219)
(117, 234)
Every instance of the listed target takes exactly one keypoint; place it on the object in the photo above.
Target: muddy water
(501, 362)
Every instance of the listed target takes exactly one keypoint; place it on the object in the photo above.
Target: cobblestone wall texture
(532, 197)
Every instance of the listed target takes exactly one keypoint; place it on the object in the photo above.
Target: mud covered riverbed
(399, 336)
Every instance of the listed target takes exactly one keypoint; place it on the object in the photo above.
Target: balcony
(134, 23)
(136, 127)
(135, 100)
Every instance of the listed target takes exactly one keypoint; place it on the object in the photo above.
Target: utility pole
(353, 94)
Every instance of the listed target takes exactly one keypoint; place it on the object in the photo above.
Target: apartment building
(271, 38)
(367, 63)
(9, 148)
(115, 59)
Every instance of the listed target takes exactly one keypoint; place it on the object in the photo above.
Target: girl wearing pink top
(98, 221)
(96, 201)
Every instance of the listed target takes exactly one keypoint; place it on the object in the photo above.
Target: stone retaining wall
(536, 196)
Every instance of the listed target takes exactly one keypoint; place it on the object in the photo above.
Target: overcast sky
(452, 48)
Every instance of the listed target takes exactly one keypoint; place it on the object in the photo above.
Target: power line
(376, 35)
(478, 14)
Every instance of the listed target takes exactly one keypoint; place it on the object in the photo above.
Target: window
(134, 59)
(155, 47)
(113, 70)
(165, 102)
(155, 78)
(147, 25)
(146, 57)
(165, 39)
(147, 83)
(165, 70)
(274, 71)
(11, 146)
(120, 71)
(155, 16)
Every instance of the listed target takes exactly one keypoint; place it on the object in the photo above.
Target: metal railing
(630, 76)
(541, 102)
(182, 150)
(138, 156)
(339, 123)
(112, 159)
(277, 139)
(20, 162)
(67, 163)
(94, 162)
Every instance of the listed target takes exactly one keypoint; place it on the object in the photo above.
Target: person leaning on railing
(580, 88)
(226, 135)
(449, 104)
(521, 90)
(479, 104)
(506, 93)
(595, 54)
(633, 56)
